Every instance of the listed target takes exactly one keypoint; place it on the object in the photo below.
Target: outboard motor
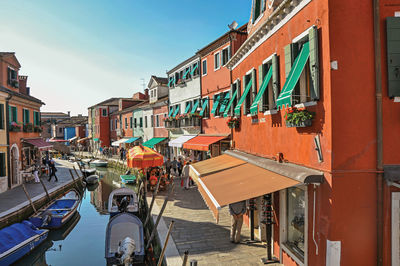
(124, 204)
(126, 251)
(46, 218)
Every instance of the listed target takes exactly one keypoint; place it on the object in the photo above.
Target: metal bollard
(193, 263)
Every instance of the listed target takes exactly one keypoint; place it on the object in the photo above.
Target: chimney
(79, 115)
(146, 93)
(69, 113)
(22, 80)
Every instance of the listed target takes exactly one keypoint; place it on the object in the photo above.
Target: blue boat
(19, 239)
(58, 212)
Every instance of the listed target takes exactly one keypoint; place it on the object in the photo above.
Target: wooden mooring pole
(72, 175)
(45, 189)
(152, 202)
(29, 198)
(165, 244)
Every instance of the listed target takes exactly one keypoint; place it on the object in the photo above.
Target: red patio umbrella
(144, 157)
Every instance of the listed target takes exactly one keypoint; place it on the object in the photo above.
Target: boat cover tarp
(15, 234)
(62, 204)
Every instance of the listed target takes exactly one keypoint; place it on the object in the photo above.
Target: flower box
(298, 117)
(305, 123)
(233, 122)
(37, 129)
(15, 128)
(28, 127)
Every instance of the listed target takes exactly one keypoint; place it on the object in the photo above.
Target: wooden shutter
(263, 4)
(393, 55)
(253, 4)
(288, 59)
(260, 80)
(314, 62)
(238, 94)
(1, 116)
(244, 102)
(275, 79)
(2, 164)
(253, 86)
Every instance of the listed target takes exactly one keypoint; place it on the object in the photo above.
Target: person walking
(121, 153)
(174, 164)
(236, 210)
(180, 166)
(53, 170)
(36, 173)
(167, 166)
(185, 174)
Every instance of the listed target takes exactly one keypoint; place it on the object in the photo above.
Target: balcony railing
(191, 122)
(172, 124)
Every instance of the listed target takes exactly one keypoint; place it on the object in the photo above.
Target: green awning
(184, 75)
(132, 140)
(241, 100)
(224, 102)
(194, 68)
(96, 139)
(151, 142)
(176, 110)
(204, 106)
(187, 109)
(264, 85)
(195, 105)
(215, 105)
(285, 97)
(171, 110)
(230, 103)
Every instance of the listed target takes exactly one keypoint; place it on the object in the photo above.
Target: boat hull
(23, 250)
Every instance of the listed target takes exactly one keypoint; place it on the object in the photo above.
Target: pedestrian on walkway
(167, 166)
(180, 166)
(236, 210)
(53, 170)
(174, 164)
(186, 177)
(121, 153)
(36, 173)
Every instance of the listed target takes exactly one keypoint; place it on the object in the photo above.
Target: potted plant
(37, 129)
(28, 127)
(233, 122)
(298, 117)
(15, 127)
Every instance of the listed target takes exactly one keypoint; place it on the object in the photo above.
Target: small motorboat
(92, 187)
(19, 239)
(88, 171)
(86, 161)
(123, 200)
(99, 163)
(124, 240)
(57, 212)
(128, 179)
(92, 179)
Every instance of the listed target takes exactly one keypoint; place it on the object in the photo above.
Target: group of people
(50, 165)
(181, 169)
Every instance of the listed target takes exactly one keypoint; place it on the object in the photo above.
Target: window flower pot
(305, 123)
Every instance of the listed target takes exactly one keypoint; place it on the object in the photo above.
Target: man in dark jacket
(53, 170)
(237, 210)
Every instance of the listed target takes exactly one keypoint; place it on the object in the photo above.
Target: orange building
(22, 119)
(316, 127)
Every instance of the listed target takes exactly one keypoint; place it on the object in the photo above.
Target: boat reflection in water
(38, 256)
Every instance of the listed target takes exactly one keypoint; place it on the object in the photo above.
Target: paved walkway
(15, 198)
(195, 230)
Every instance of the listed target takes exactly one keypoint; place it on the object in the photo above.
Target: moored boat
(99, 163)
(91, 180)
(19, 239)
(123, 200)
(57, 212)
(128, 179)
(88, 171)
(124, 243)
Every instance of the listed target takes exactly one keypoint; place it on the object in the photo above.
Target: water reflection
(81, 241)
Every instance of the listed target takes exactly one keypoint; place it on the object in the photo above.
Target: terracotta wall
(160, 132)
(128, 132)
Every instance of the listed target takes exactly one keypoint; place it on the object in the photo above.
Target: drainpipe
(8, 140)
(230, 77)
(201, 77)
(379, 145)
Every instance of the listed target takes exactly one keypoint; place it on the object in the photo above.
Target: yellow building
(3, 144)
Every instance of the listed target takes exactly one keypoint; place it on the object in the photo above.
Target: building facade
(49, 118)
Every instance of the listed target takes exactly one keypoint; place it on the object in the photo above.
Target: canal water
(82, 240)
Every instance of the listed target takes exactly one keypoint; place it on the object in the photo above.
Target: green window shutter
(238, 95)
(1, 116)
(244, 102)
(393, 55)
(288, 59)
(260, 80)
(253, 86)
(9, 114)
(2, 164)
(27, 116)
(275, 79)
(314, 65)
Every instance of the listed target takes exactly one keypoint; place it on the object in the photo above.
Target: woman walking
(53, 170)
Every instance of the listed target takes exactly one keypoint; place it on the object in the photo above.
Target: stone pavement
(13, 199)
(195, 230)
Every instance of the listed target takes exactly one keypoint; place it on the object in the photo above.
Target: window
(206, 113)
(116, 123)
(60, 130)
(258, 9)
(269, 70)
(163, 122)
(152, 120)
(13, 114)
(157, 121)
(195, 69)
(104, 112)
(36, 118)
(235, 86)
(141, 122)
(204, 67)
(130, 122)
(225, 55)
(217, 61)
(187, 73)
(295, 220)
(26, 116)
(12, 77)
(145, 121)
(126, 123)
(2, 116)
(135, 123)
(247, 101)
(3, 164)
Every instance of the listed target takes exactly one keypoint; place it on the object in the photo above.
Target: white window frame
(217, 55)
(283, 226)
(229, 54)
(203, 68)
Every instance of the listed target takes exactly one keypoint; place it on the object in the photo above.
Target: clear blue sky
(78, 53)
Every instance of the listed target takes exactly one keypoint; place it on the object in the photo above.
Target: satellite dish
(233, 25)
